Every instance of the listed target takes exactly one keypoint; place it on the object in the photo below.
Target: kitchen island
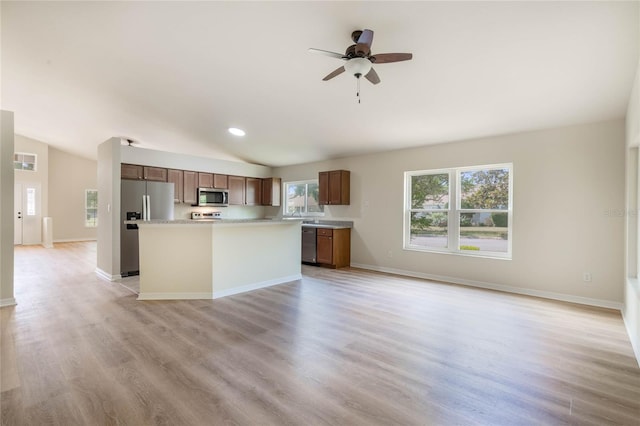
(189, 259)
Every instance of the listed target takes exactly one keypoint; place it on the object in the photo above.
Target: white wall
(149, 157)
(6, 208)
(108, 247)
(568, 192)
(69, 177)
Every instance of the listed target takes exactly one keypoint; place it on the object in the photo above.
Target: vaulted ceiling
(175, 75)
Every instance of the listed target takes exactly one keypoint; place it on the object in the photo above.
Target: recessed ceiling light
(237, 132)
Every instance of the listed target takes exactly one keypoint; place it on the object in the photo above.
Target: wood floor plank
(339, 347)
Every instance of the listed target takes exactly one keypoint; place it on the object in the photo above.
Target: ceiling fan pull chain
(358, 90)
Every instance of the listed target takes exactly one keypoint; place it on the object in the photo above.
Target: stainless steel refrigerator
(137, 200)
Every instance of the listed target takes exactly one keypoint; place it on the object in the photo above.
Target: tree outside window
(91, 208)
(302, 199)
(463, 210)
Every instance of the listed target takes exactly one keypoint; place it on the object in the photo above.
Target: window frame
(455, 211)
(22, 169)
(285, 203)
(88, 224)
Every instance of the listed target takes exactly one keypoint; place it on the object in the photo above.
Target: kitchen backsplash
(183, 211)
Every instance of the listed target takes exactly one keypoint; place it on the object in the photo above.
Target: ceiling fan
(359, 59)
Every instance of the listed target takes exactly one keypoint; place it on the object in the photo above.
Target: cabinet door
(271, 191)
(323, 188)
(130, 171)
(334, 187)
(220, 181)
(190, 193)
(236, 190)
(156, 174)
(177, 178)
(253, 194)
(205, 180)
(324, 246)
(341, 248)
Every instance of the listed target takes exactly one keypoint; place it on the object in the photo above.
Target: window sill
(494, 256)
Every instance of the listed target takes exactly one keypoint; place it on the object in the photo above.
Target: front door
(28, 214)
(17, 214)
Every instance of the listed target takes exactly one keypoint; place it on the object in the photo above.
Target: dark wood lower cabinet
(333, 247)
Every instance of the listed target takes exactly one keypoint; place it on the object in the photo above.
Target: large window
(301, 199)
(464, 210)
(91, 208)
(24, 161)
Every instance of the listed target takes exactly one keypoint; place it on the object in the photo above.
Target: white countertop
(324, 225)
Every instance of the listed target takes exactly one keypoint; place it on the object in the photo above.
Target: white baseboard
(11, 301)
(499, 287)
(255, 286)
(221, 293)
(631, 313)
(73, 240)
(105, 276)
(174, 296)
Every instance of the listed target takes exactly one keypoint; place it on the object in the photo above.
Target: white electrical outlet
(586, 277)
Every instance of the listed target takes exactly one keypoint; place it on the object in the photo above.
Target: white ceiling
(176, 75)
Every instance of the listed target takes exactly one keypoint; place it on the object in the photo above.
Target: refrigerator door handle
(148, 207)
(144, 207)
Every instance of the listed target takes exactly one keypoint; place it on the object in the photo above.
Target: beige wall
(6, 208)
(568, 192)
(69, 177)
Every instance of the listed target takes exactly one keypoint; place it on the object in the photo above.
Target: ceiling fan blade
(326, 52)
(372, 76)
(363, 46)
(385, 58)
(334, 73)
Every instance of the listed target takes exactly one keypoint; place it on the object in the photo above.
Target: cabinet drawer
(325, 232)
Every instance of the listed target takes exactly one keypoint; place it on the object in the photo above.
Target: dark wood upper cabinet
(137, 172)
(205, 180)
(253, 194)
(236, 190)
(220, 181)
(131, 171)
(334, 187)
(271, 191)
(177, 178)
(156, 174)
(190, 192)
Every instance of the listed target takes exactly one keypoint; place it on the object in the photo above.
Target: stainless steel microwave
(213, 197)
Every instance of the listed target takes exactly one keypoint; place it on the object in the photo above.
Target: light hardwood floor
(345, 347)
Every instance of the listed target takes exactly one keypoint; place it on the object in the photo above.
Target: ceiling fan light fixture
(236, 132)
(358, 66)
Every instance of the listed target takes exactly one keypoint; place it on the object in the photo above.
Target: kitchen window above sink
(302, 199)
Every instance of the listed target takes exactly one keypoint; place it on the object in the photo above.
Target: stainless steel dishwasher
(308, 244)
